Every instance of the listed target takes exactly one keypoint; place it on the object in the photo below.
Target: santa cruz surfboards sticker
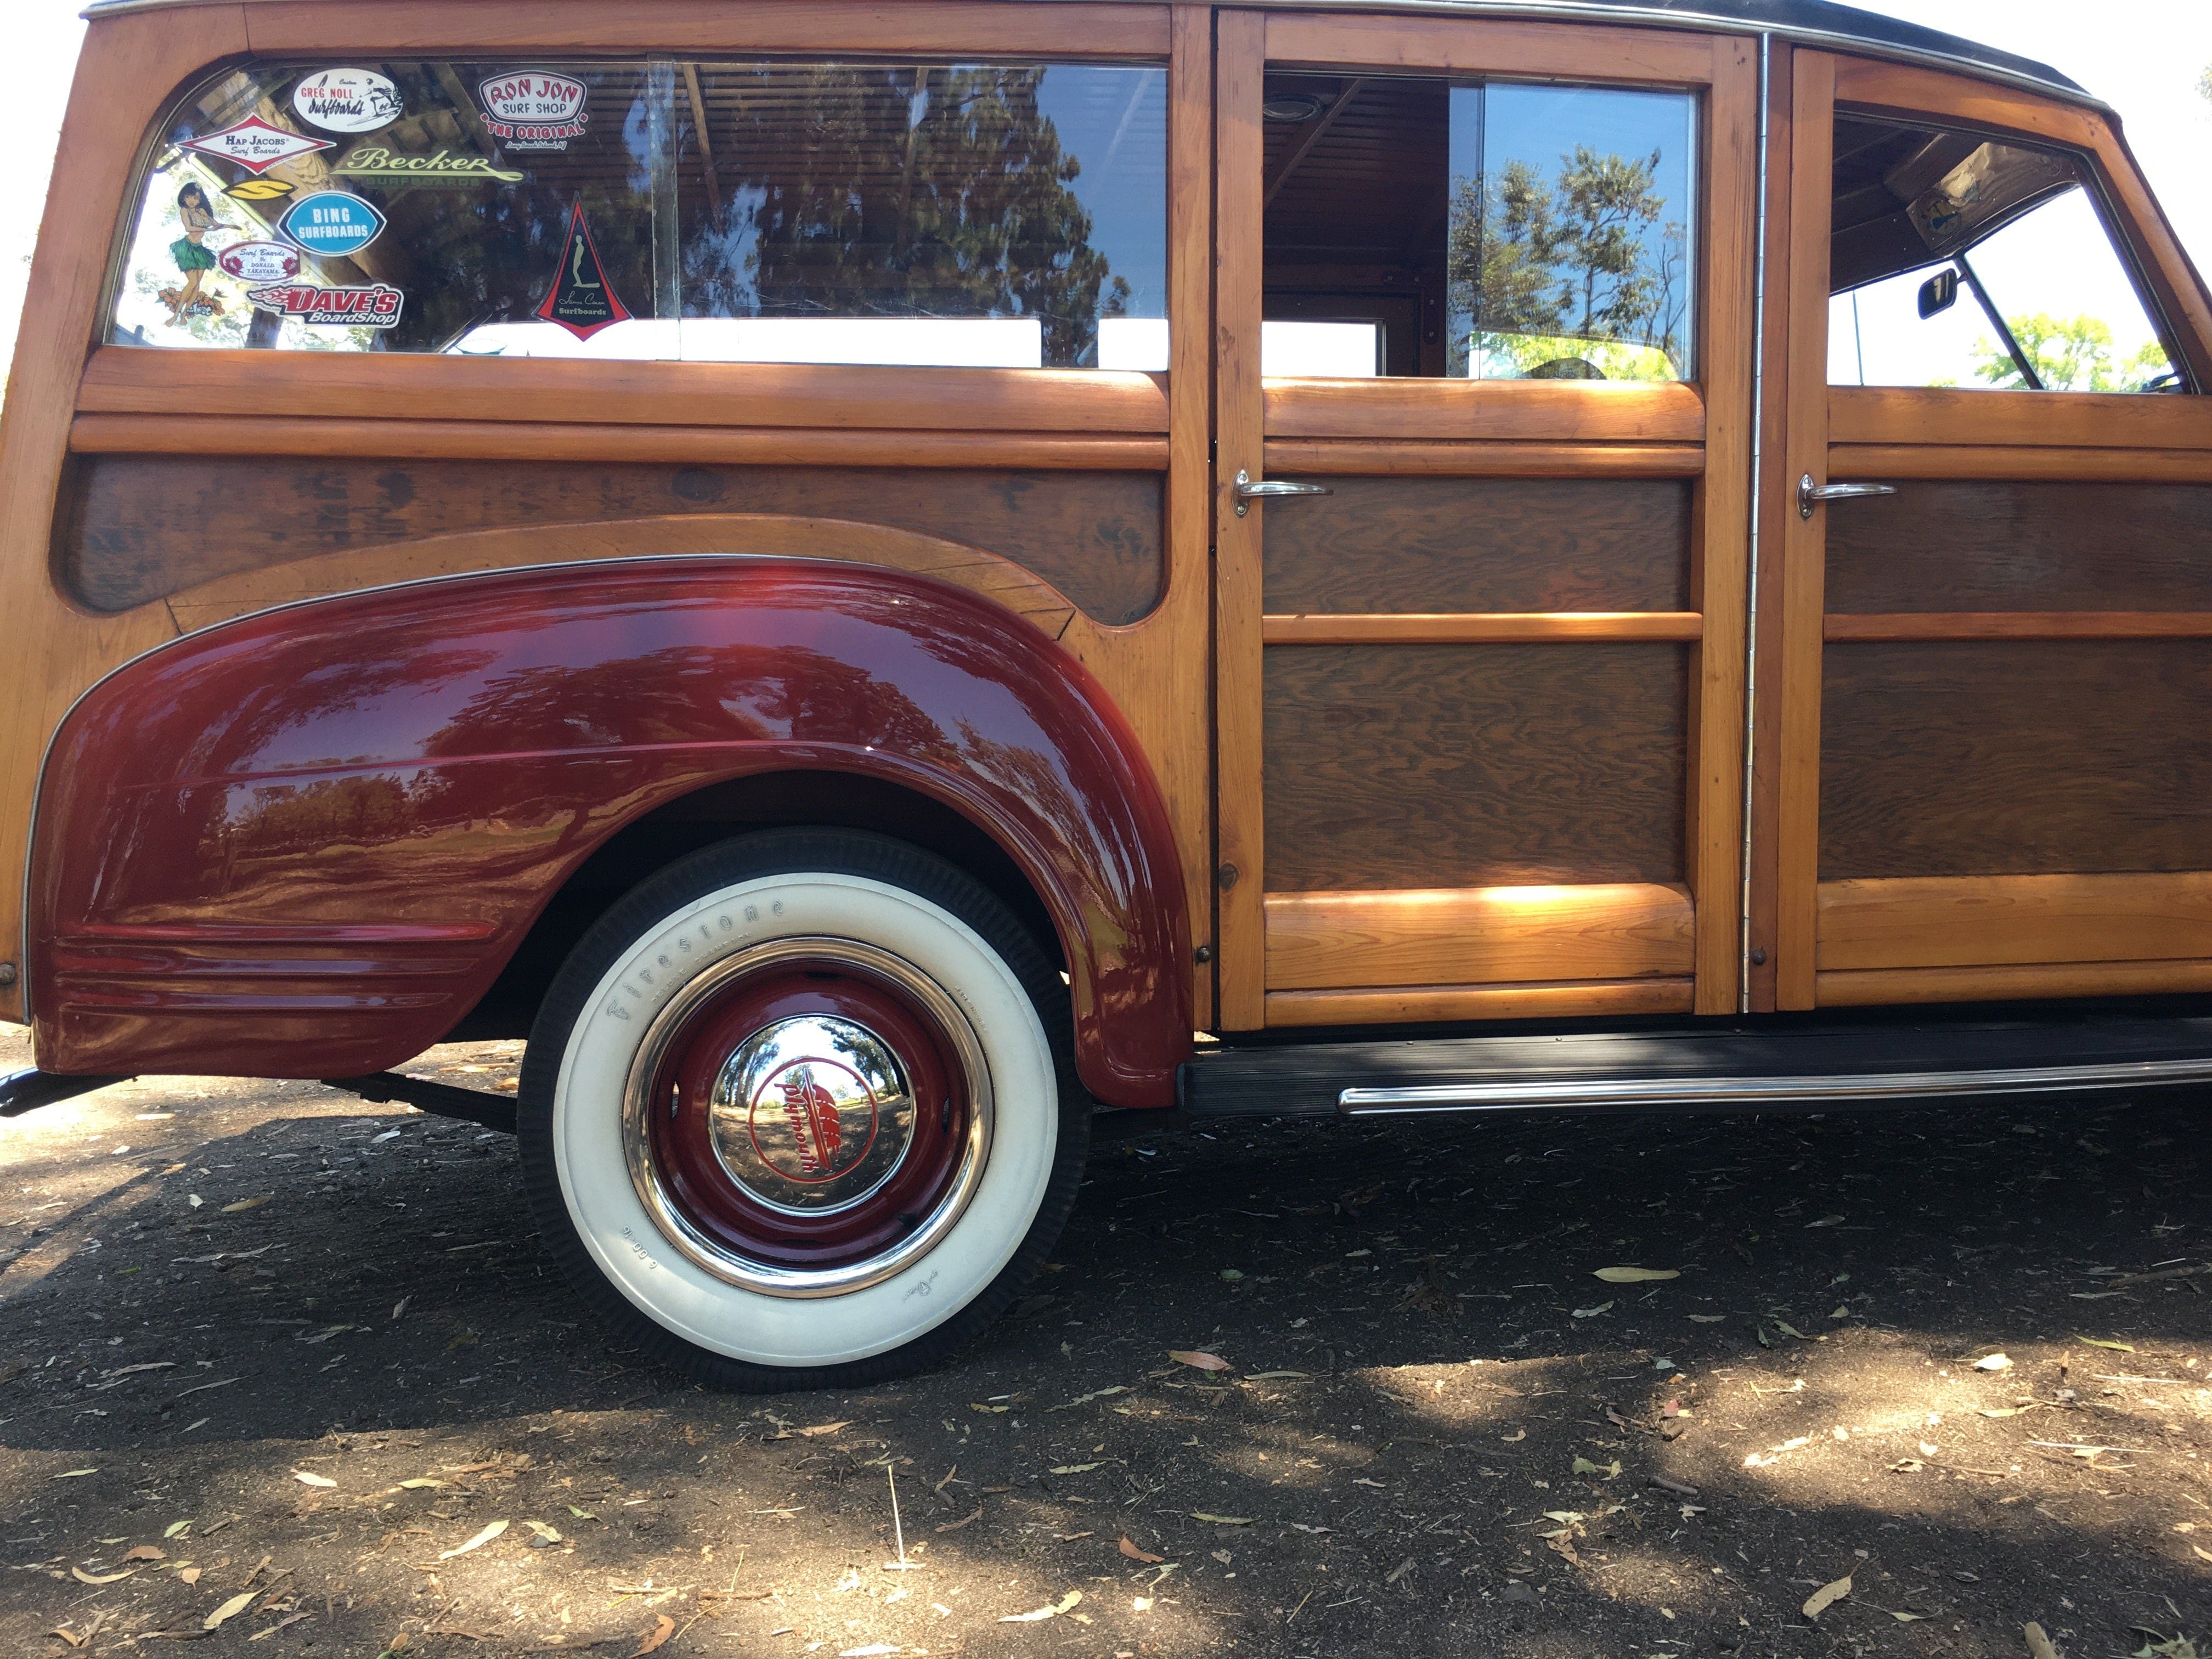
(374, 305)
(330, 223)
(259, 261)
(256, 145)
(581, 299)
(529, 109)
(347, 100)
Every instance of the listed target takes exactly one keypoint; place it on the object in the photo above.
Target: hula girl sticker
(193, 256)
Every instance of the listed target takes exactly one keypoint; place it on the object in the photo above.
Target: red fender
(303, 844)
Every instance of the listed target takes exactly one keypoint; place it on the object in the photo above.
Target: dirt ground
(270, 1353)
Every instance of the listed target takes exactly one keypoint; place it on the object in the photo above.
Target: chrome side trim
(1751, 571)
(1653, 16)
(1752, 1091)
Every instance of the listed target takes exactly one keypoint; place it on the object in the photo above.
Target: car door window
(1963, 261)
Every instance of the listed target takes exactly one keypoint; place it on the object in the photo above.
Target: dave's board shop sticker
(581, 300)
(529, 109)
(256, 145)
(374, 305)
(330, 223)
(347, 100)
(259, 261)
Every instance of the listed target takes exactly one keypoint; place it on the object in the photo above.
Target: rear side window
(1006, 214)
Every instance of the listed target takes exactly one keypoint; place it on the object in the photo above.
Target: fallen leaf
(1825, 1221)
(174, 1528)
(545, 1534)
(2203, 1554)
(1222, 1520)
(1707, 1319)
(84, 1577)
(146, 1552)
(1515, 1438)
(2007, 1411)
(1823, 1598)
(873, 1651)
(2039, 1644)
(581, 1514)
(1789, 1329)
(974, 1515)
(1086, 1399)
(71, 1475)
(422, 1481)
(1074, 1468)
(230, 1609)
(307, 1480)
(2096, 1342)
(477, 1543)
(1136, 1554)
(1592, 1313)
(665, 1628)
(1610, 1470)
(1993, 1362)
(190, 1575)
(1231, 1274)
(1635, 1275)
(978, 1405)
(1204, 1362)
(1909, 1618)
(823, 1428)
(1278, 1377)
(253, 1203)
(1042, 1613)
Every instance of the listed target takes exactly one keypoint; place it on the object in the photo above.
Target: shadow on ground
(318, 1386)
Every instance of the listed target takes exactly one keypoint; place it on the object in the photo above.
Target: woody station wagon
(878, 578)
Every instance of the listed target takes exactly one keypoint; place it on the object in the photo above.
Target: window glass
(987, 214)
(1495, 231)
(1961, 262)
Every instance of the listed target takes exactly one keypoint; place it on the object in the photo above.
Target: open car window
(1959, 260)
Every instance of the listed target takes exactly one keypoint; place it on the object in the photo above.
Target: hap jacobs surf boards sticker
(256, 145)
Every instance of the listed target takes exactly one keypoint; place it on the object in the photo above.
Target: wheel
(799, 1111)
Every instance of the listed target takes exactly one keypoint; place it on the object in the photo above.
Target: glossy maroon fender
(304, 843)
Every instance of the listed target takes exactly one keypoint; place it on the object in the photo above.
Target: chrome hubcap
(810, 1116)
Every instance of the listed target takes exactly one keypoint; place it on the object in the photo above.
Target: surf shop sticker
(581, 300)
(259, 261)
(330, 223)
(531, 110)
(259, 189)
(373, 306)
(347, 100)
(256, 146)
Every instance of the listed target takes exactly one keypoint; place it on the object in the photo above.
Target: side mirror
(1939, 294)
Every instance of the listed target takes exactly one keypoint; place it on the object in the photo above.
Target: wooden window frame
(1699, 430)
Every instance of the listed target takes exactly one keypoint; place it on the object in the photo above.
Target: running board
(26, 1092)
(1712, 1070)
(439, 1099)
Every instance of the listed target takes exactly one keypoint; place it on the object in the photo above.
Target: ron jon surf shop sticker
(531, 110)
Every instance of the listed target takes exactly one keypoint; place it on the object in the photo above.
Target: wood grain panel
(1479, 629)
(1345, 941)
(1439, 1004)
(1581, 52)
(140, 527)
(691, 445)
(397, 27)
(2022, 625)
(399, 385)
(1981, 920)
(2031, 420)
(1952, 461)
(1996, 757)
(1880, 987)
(1551, 411)
(1384, 544)
(2022, 546)
(1421, 766)
(1445, 458)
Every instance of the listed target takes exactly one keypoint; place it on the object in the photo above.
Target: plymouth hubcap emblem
(811, 1114)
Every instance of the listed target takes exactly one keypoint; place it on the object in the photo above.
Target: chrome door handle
(1250, 490)
(1810, 494)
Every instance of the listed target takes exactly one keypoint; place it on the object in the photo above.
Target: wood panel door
(1988, 773)
(1481, 705)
